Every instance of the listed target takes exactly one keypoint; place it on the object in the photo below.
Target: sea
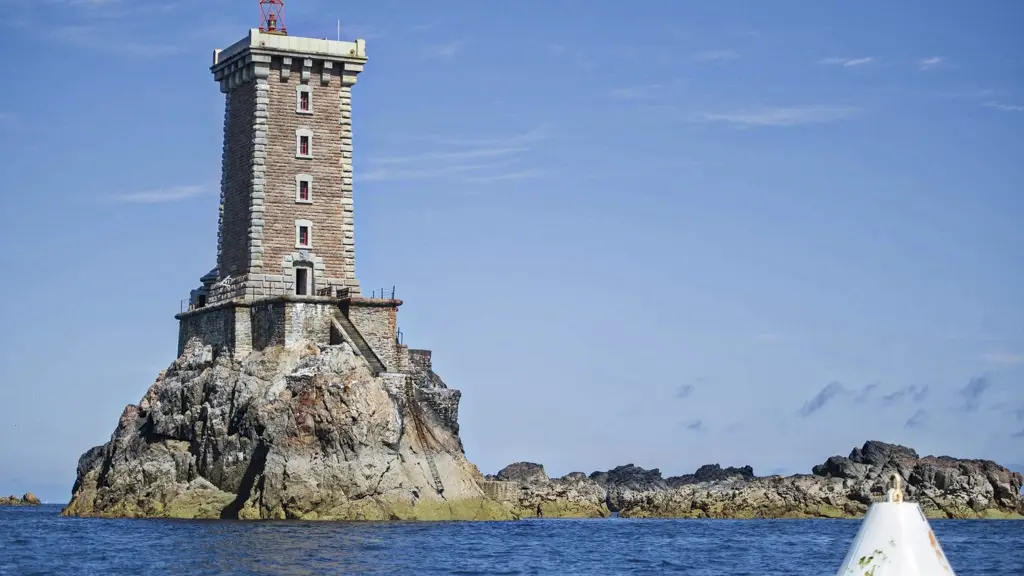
(39, 541)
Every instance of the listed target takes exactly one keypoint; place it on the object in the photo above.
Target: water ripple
(39, 541)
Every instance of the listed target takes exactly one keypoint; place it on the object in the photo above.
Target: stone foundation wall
(377, 321)
(213, 326)
(268, 323)
(239, 327)
(501, 491)
(308, 321)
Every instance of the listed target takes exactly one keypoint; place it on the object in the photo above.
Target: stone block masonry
(236, 182)
(377, 321)
(238, 327)
(286, 187)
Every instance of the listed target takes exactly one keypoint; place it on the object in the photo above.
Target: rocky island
(28, 499)
(307, 432)
(304, 432)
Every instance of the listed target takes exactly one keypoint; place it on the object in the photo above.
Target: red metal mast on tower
(272, 17)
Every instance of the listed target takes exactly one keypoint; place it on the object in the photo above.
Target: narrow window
(303, 143)
(303, 235)
(304, 101)
(304, 190)
(301, 281)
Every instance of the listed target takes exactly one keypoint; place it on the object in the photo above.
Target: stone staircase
(350, 334)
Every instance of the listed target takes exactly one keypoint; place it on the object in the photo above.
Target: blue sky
(667, 233)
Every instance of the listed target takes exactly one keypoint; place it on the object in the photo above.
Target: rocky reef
(841, 487)
(308, 432)
(304, 432)
(29, 499)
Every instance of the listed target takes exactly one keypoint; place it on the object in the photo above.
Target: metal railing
(382, 293)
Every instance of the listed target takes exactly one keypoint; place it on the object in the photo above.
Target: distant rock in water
(28, 499)
(300, 432)
(840, 487)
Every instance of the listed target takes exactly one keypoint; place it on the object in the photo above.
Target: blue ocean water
(39, 541)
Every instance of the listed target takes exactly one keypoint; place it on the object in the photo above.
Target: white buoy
(895, 540)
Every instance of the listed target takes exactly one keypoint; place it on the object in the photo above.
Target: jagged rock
(523, 472)
(299, 432)
(527, 491)
(711, 473)
(841, 487)
(28, 499)
(624, 484)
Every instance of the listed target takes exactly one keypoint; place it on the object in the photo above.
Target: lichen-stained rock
(842, 487)
(299, 432)
(525, 488)
(28, 499)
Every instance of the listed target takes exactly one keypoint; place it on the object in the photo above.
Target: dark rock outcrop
(302, 432)
(29, 499)
(945, 487)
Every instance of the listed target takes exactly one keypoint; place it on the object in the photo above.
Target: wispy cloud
(823, 397)
(865, 393)
(931, 63)
(915, 393)
(503, 176)
(694, 425)
(475, 160)
(1003, 107)
(523, 140)
(1018, 434)
(643, 92)
(714, 55)
(441, 51)
(163, 195)
(919, 419)
(846, 62)
(684, 390)
(973, 391)
(781, 116)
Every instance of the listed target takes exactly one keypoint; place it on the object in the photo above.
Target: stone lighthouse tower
(286, 221)
(286, 244)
